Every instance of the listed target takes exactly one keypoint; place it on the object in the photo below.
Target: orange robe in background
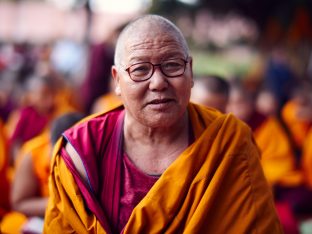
(4, 181)
(41, 152)
(215, 186)
(66, 102)
(307, 159)
(39, 148)
(277, 157)
(106, 102)
(298, 128)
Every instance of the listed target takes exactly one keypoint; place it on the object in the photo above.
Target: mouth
(160, 101)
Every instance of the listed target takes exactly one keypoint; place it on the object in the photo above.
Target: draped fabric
(215, 186)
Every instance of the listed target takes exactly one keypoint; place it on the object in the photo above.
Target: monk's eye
(141, 69)
(174, 67)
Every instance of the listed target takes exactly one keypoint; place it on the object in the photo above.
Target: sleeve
(66, 212)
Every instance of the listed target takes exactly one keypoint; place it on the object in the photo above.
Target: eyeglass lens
(170, 68)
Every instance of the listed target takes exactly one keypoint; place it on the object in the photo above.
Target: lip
(159, 104)
(160, 101)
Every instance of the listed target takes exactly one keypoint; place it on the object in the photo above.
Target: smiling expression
(159, 101)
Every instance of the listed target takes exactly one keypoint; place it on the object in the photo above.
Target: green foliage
(207, 62)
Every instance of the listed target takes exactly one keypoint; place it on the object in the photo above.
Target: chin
(160, 120)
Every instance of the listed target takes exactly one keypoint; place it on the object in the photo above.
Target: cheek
(185, 91)
(131, 93)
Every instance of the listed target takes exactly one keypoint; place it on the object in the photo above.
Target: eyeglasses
(143, 71)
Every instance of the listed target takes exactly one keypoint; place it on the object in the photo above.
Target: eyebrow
(136, 59)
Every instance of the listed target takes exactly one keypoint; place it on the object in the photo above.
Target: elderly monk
(158, 164)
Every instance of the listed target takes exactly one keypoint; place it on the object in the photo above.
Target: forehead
(149, 44)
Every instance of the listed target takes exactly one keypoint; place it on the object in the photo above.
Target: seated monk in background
(277, 156)
(211, 91)
(266, 103)
(38, 111)
(158, 164)
(297, 111)
(29, 193)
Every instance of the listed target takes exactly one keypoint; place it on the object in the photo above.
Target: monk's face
(43, 99)
(239, 105)
(159, 101)
(204, 97)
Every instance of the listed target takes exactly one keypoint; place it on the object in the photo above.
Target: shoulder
(95, 124)
(203, 118)
(237, 136)
(94, 132)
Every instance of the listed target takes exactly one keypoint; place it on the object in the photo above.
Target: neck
(135, 131)
(153, 149)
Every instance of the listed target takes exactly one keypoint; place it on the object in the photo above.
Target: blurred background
(238, 34)
(232, 38)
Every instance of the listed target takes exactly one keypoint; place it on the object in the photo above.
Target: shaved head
(148, 24)
(155, 41)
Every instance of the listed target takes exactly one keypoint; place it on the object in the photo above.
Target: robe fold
(215, 186)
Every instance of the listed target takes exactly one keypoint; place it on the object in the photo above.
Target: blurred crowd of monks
(279, 112)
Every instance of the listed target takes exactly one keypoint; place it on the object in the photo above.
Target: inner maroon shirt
(133, 190)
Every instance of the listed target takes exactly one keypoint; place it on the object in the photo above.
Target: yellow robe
(4, 180)
(298, 128)
(307, 159)
(277, 157)
(106, 103)
(39, 148)
(215, 186)
(41, 156)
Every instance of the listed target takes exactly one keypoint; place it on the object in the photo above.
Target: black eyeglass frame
(160, 68)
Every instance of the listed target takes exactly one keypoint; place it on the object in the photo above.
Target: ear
(115, 76)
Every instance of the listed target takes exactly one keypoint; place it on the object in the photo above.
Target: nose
(158, 81)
